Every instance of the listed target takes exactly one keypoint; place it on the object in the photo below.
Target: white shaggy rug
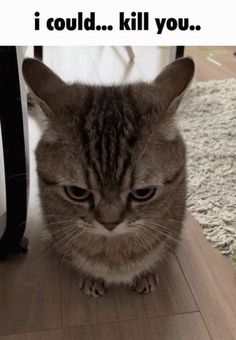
(208, 121)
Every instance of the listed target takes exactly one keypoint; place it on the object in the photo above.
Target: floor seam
(194, 298)
(99, 323)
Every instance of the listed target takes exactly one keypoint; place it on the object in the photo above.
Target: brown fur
(112, 140)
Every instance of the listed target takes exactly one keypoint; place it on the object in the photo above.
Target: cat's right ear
(44, 84)
(172, 83)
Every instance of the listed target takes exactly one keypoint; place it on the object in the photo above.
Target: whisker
(59, 246)
(60, 222)
(167, 246)
(147, 237)
(166, 228)
(57, 215)
(172, 219)
(161, 232)
(63, 234)
(59, 235)
(70, 243)
(159, 227)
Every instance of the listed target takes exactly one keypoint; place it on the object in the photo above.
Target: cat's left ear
(45, 85)
(172, 82)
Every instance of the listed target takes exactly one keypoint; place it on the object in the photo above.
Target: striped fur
(110, 127)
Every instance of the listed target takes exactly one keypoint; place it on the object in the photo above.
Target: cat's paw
(92, 287)
(145, 284)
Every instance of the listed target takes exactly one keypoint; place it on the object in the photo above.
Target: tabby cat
(111, 168)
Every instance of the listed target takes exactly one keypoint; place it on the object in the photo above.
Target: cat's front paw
(145, 284)
(92, 287)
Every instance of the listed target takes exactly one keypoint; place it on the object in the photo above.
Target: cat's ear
(172, 82)
(43, 82)
(168, 89)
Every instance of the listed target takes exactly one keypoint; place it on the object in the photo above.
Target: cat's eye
(143, 194)
(77, 193)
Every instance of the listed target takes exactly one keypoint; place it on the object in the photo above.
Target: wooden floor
(196, 299)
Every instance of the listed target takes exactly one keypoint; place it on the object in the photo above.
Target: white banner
(169, 22)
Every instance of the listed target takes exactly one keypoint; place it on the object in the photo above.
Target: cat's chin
(120, 229)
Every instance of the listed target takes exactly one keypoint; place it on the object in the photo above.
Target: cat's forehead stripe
(110, 129)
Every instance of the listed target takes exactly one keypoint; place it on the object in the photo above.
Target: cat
(112, 176)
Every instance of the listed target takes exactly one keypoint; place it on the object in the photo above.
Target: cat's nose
(109, 226)
(109, 214)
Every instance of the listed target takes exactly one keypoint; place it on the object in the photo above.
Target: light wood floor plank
(212, 280)
(172, 296)
(30, 288)
(44, 335)
(177, 327)
(208, 70)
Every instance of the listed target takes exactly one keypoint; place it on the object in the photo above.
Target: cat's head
(111, 157)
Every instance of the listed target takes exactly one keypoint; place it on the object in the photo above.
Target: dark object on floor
(13, 124)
